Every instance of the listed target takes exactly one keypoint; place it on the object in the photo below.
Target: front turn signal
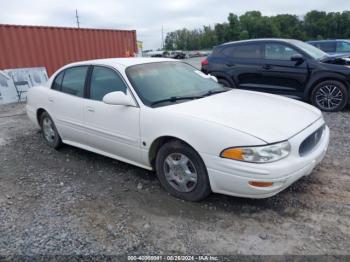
(260, 184)
(233, 153)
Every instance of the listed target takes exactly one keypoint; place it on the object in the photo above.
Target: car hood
(338, 55)
(270, 118)
(339, 59)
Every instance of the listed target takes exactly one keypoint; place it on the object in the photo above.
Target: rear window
(74, 81)
(57, 83)
(250, 51)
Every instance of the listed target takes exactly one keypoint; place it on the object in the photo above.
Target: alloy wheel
(180, 172)
(329, 97)
(48, 130)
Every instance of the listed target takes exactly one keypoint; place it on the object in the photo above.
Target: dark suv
(280, 66)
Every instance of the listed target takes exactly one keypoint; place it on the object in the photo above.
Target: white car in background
(165, 115)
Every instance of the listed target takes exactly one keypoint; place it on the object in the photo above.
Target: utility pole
(77, 17)
(162, 37)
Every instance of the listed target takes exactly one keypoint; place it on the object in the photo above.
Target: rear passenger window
(74, 80)
(104, 81)
(275, 51)
(251, 51)
(57, 83)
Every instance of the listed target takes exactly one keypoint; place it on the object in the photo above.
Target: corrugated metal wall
(53, 47)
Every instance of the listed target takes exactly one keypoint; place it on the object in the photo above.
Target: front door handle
(90, 109)
(267, 67)
(51, 99)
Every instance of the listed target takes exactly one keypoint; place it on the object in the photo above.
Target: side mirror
(297, 58)
(118, 98)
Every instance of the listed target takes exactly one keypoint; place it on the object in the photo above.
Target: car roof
(258, 40)
(124, 62)
(327, 40)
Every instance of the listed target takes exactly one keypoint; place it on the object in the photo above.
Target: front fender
(205, 137)
(318, 77)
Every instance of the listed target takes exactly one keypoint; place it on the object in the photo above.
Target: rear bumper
(231, 177)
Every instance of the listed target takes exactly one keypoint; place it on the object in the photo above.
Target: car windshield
(312, 51)
(163, 83)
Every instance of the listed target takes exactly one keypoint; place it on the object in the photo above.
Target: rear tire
(182, 172)
(49, 131)
(330, 96)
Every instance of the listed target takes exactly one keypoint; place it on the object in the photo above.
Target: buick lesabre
(165, 115)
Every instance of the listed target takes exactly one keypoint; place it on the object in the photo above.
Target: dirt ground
(75, 202)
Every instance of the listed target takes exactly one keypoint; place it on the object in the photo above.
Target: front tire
(49, 131)
(182, 172)
(330, 96)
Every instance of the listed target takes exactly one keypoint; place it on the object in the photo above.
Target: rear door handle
(90, 109)
(51, 99)
(267, 67)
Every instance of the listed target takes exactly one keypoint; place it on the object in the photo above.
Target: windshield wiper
(175, 98)
(211, 92)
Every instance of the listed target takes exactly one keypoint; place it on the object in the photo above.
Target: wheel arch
(321, 79)
(157, 144)
(39, 112)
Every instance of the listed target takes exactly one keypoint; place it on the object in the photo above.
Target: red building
(53, 47)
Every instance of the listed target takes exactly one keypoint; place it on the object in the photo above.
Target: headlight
(258, 154)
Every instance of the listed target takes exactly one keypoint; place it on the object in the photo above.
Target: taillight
(205, 62)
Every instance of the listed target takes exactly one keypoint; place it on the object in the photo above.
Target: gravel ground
(75, 202)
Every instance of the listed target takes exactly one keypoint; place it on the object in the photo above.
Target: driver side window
(275, 51)
(104, 81)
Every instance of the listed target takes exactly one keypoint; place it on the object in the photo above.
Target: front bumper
(232, 177)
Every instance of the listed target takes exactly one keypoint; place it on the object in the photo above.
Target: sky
(148, 17)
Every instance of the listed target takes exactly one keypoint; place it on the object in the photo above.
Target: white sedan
(165, 115)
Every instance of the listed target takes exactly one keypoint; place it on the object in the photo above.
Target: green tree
(288, 26)
(252, 24)
(222, 32)
(315, 23)
(234, 27)
(209, 38)
(244, 35)
(343, 25)
(257, 26)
